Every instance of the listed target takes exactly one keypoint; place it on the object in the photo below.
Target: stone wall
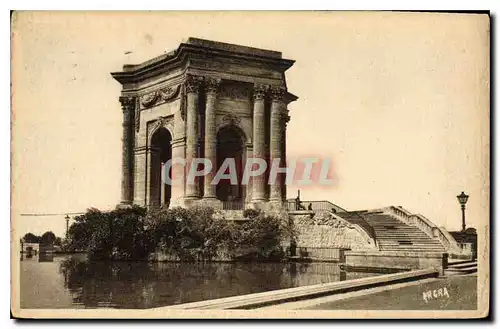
(396, 259)
(325, 230)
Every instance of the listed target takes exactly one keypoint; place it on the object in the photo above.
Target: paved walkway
(450, 293)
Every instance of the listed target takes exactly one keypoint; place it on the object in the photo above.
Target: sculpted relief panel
(159, 96)
(235, 91)
(235, 98)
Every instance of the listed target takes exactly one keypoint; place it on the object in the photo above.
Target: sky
(399, 103)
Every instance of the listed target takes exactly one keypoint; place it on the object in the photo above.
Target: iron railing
(292, 205)
(233, 205)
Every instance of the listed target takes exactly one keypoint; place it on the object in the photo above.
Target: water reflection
(45, 258)
(95, 284)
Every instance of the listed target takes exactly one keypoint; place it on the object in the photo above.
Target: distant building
(37, 248)
(467, 240)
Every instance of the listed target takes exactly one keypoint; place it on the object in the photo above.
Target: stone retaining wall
(402, 260)
(324, 230)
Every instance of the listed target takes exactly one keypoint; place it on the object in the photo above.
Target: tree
(31, 238)
(58, 241)
(48, 237)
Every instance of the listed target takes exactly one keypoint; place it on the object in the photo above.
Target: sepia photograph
(257, 164)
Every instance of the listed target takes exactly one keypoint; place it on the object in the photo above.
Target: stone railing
(357, 219)
(452, 244)
(426, 226)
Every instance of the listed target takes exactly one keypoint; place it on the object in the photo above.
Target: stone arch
(231, 143)
(160, 152)
(162, 122)
(239, 122)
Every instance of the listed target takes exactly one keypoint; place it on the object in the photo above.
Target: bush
(189, 234)
(264, 234)
(251, 213)
(116, 234)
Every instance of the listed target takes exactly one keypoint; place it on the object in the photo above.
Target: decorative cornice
(212, 85)
(193, 83)
(277, 93)
(259, 91)
(177, 59)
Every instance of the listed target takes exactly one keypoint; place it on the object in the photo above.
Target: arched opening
(230, 144)
(161, 152)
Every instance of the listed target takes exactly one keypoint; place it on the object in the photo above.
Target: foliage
(251, 213)
(114, 234)
(31, 238)
(48, 237)
(264, 233)
(190, 234)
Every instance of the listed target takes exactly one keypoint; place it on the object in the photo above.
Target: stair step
(417, 237)
(462, 266)
(420, 245)
(396, 240)
(405, 238)
(455, 272)
(459, 262)
(414, 249)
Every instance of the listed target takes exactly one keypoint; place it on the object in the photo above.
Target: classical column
(192, 89)
(276, 140)
(178, 173)
(259, 134)
(179, 152)
(286, 119)
(128, 107)
(212, 85)
(140, 171)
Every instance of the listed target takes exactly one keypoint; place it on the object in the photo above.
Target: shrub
(264, 234)
(189, 234)
(114, 234)
(251, 213)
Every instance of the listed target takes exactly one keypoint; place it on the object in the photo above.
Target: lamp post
(67, 225)
(462, 199)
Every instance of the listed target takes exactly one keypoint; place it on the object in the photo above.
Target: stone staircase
(461, 268)
(395, 235)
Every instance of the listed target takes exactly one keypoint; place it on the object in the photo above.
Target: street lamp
(462, 199)
(67, 225)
